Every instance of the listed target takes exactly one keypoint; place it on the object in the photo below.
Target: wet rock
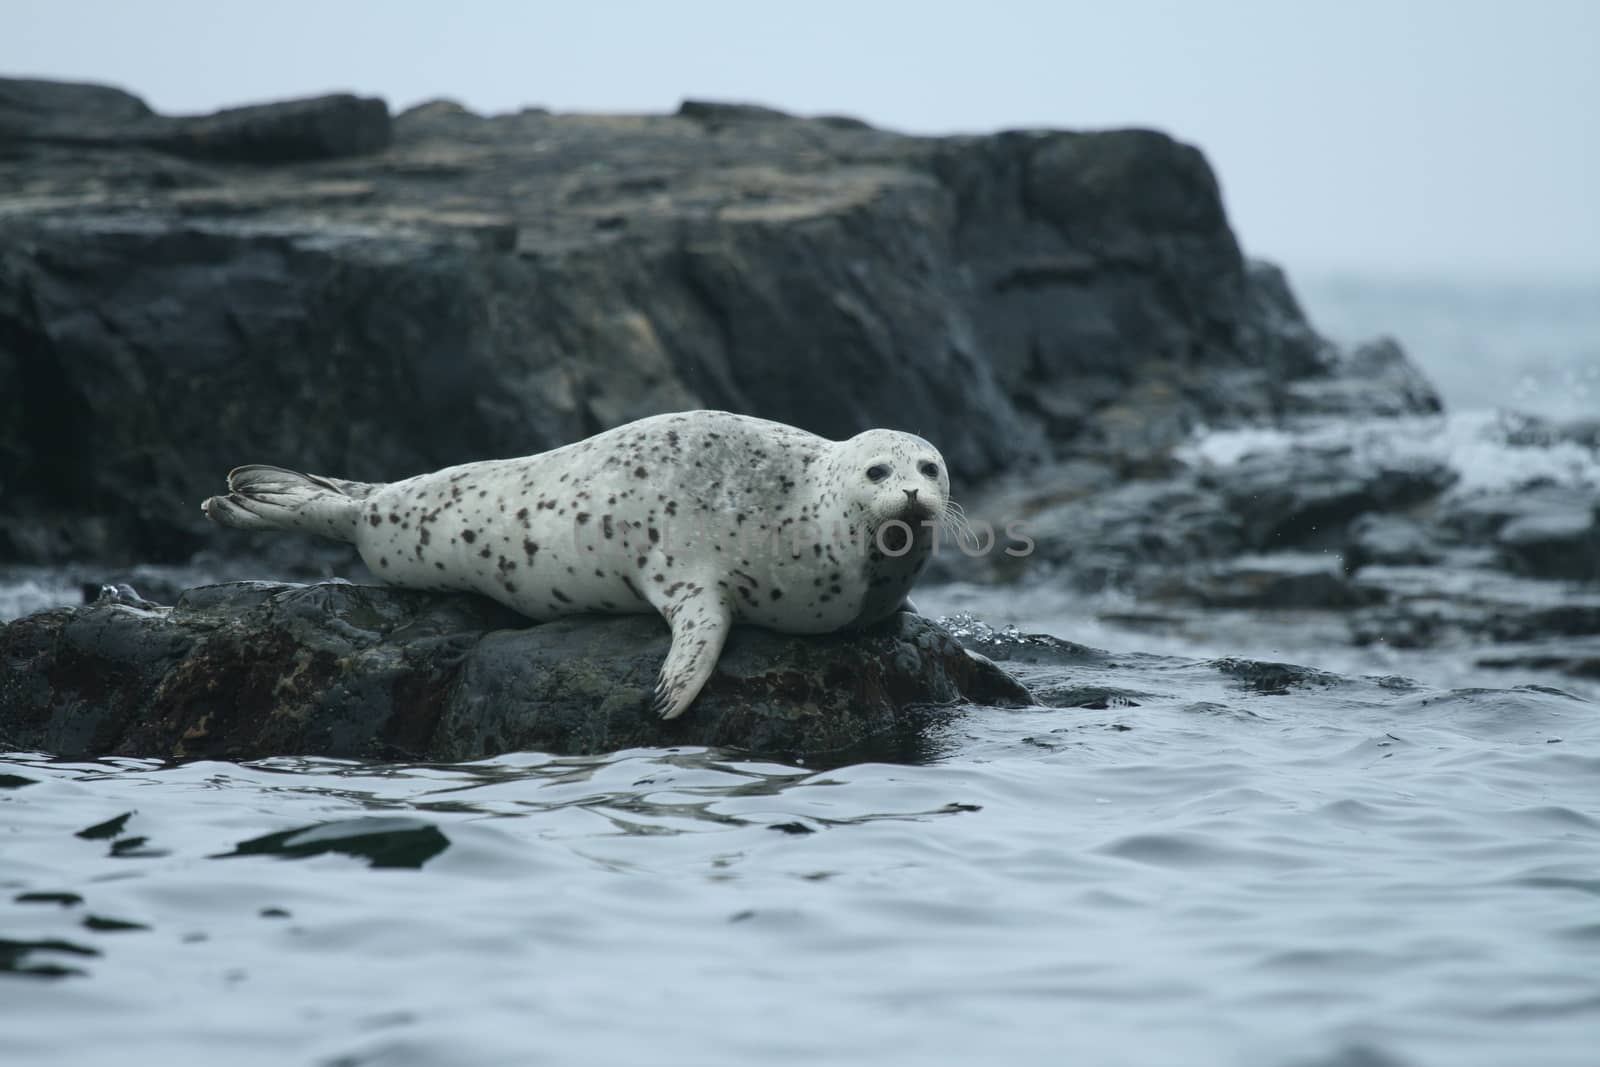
(1287, 580)
(1478, 518)
(1111, 537)
(1372, 379)
(1534, 431)
(1472, 606)
(1273, 678)
(492, 286)
(254, 669)
(1307, 496)
(1554, 544)
(1012, 646)
(1092, 697)
(1574, 616)
(1388, 540)
(1579, 657)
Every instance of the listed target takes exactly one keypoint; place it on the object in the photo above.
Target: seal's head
(893, 475)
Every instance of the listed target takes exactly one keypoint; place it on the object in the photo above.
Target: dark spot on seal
(559, 595)
(510, 587)
(468, 536)
(383, 561)
(425, 535)
(530, 547)
(605, 525)
(583, 517)
(484, 552)
(655, 535)
(393, 517)
(439, 565)
(777, 594)
(640, 472)
(523, 514)
(375, 519)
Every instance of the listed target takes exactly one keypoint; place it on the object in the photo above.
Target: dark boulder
(66, 114)
(1308, 496)
(1554, 544)
(1388, 540)
(1108, 538)
(255, 669)
(1579, 657)
(1372, 379)
(1287, 580)
(1477, 519)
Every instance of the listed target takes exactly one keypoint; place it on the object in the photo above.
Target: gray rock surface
(316, 285)
(66, 114)
(254, 669)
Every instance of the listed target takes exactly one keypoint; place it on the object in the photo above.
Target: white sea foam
(1480, 446)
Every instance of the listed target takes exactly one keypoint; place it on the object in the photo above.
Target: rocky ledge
(1387, 531)
(318, 285)
(248, 670)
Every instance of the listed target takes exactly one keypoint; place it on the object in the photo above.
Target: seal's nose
(911, 495)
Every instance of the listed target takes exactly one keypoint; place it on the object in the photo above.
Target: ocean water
(1395, 862)
(1533, 347)
(1363, 873)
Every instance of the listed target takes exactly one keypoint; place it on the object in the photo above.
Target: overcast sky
(1387, 137)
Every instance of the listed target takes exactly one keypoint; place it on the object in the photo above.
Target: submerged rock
(254, 669)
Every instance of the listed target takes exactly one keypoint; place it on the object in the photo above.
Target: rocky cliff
(319, 285)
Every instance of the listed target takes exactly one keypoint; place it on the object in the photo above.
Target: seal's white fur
(703, 516)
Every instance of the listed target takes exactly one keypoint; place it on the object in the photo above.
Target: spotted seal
(705, 517)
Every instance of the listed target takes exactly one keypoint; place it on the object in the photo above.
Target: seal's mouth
(895, 537)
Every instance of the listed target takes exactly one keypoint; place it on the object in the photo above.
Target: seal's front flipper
(700, 621)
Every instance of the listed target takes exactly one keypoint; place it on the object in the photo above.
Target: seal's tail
(271, 498)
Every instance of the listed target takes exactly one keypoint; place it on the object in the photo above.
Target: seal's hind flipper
(270, 498)
(700, 622)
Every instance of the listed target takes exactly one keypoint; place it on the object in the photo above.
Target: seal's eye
(930, 470)
(878, 472)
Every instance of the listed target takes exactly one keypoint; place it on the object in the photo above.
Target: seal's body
(705, 517)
